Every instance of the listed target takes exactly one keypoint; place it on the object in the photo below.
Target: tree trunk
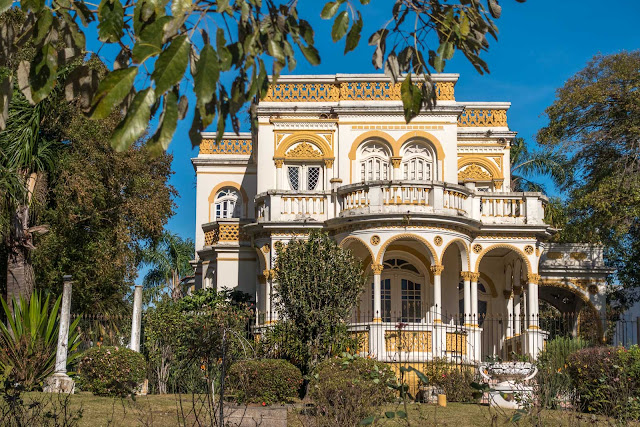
(19, 269)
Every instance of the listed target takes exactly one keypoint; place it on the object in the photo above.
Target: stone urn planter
(511, 390)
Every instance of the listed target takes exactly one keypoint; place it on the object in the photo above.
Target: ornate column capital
(474, 277)
(328, 163)
(377, 268)
(437, 269)
(396, 161)
(278, 162)
(269, 274)
(533, 278)
(466, 275)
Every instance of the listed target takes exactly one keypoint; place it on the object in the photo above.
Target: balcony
(438, 198)
(401, 197)
(292, 206)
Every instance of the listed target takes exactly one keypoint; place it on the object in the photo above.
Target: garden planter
(511, 389)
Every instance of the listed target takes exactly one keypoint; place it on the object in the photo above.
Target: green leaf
(411, 98)
(135, 122)
(180, 7)
(171, 64)
(353, 38)
(84, 13)
(367, 421)
(43, 26)
(6, 92)
(495, 9)
(150, 43)
(465, 26)
(112, 90)
(142, 51)
(33, 5)
(111, 17)
(306, 31)
(422, 377)
(438, 64)
(311, 54)
(43, 72)
(275, 50)
(401, 414)
(340, 26)
(390, 414)
(329, 10)
(206, 75)
(168, 123)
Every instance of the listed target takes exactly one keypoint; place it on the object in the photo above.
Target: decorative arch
(434, 256)
(495, 172)
(506, 246)
(344, 241)
(464, 251)
(420, 135)
(231, 184)
(489, 282)
(314, 140)
(374, 134)
(262, 259)
(579, 293)
(411, 251)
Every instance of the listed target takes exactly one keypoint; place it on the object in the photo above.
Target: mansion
(427, 206)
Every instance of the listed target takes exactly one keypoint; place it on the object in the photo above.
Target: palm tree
(169, 262)
(29, 156)
(526, 164)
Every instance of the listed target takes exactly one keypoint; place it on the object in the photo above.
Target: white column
(474, 298)
(136, 319)
(59, 381)
(517, 327)
(267, 297)
(466, 276)
(397, 171)
(279, 163)
(437, 292)
(532, 300)
(377, 292)
(508, 295)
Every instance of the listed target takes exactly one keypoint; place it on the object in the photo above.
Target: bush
(345, 389)
(553, 381)
(111, 371)
(452, 380)
(606, 381)
(265, 381)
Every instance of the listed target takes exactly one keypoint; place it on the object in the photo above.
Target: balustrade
(291, 206)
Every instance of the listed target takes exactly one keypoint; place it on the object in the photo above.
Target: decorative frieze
(456, 343)
(473, 172)
(472, 117)
(408, 341)
(226, 146)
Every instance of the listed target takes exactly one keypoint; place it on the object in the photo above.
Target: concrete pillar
(437, 292)
(136, 319)
(466, 277)
(377, 292)
(474, 299)
(60, 382)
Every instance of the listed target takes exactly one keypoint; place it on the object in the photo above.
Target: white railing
(286, 205)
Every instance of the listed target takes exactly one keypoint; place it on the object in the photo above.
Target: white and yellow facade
(426, 205)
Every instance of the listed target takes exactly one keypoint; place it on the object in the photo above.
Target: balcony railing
(284, 205)
(401, 197)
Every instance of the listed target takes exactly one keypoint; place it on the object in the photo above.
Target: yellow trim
(377, 320)
(466, 251)
(421, 135)
(245, 198)
(524, 256)
(320, 143)
(410, 237)
(493, 169)
(371, 135)
(225, 173)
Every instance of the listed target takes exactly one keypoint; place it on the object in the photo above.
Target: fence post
(60, 381)
(136, 319)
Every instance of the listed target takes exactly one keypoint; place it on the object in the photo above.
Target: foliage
(526, 163)
(29, 340)
(607, 381)
(451, 379)
(344, 390)
(42, 410)
(160, 41)
(169, 262)
(553, 380)
(102, 205)
(595, 119)
(265, 381)
(111, 371)
(318, 284)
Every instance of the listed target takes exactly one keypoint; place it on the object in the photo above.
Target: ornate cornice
(473, 172)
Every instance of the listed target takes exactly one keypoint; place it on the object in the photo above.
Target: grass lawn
(156, 410)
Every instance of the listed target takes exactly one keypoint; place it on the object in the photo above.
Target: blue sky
(540, 45)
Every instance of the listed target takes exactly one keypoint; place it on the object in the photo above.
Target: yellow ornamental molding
(528, 250)
(483, 118)
(578, 256)
(377, 268)
(437, 269)
(226, 146)
(474, 277)
(473, 172)
(304, 151)
(466, 275)
(347, 91)
(533, 278)
(456, 343)
(408, 341)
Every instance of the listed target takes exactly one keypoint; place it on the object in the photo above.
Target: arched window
(417, 162)
(227, 204)
(374, 162)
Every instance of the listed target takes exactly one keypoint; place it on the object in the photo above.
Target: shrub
(345, 389)
(452, 380)
(111, 371)
(553, 380)
(606, 381)
(264, 381)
